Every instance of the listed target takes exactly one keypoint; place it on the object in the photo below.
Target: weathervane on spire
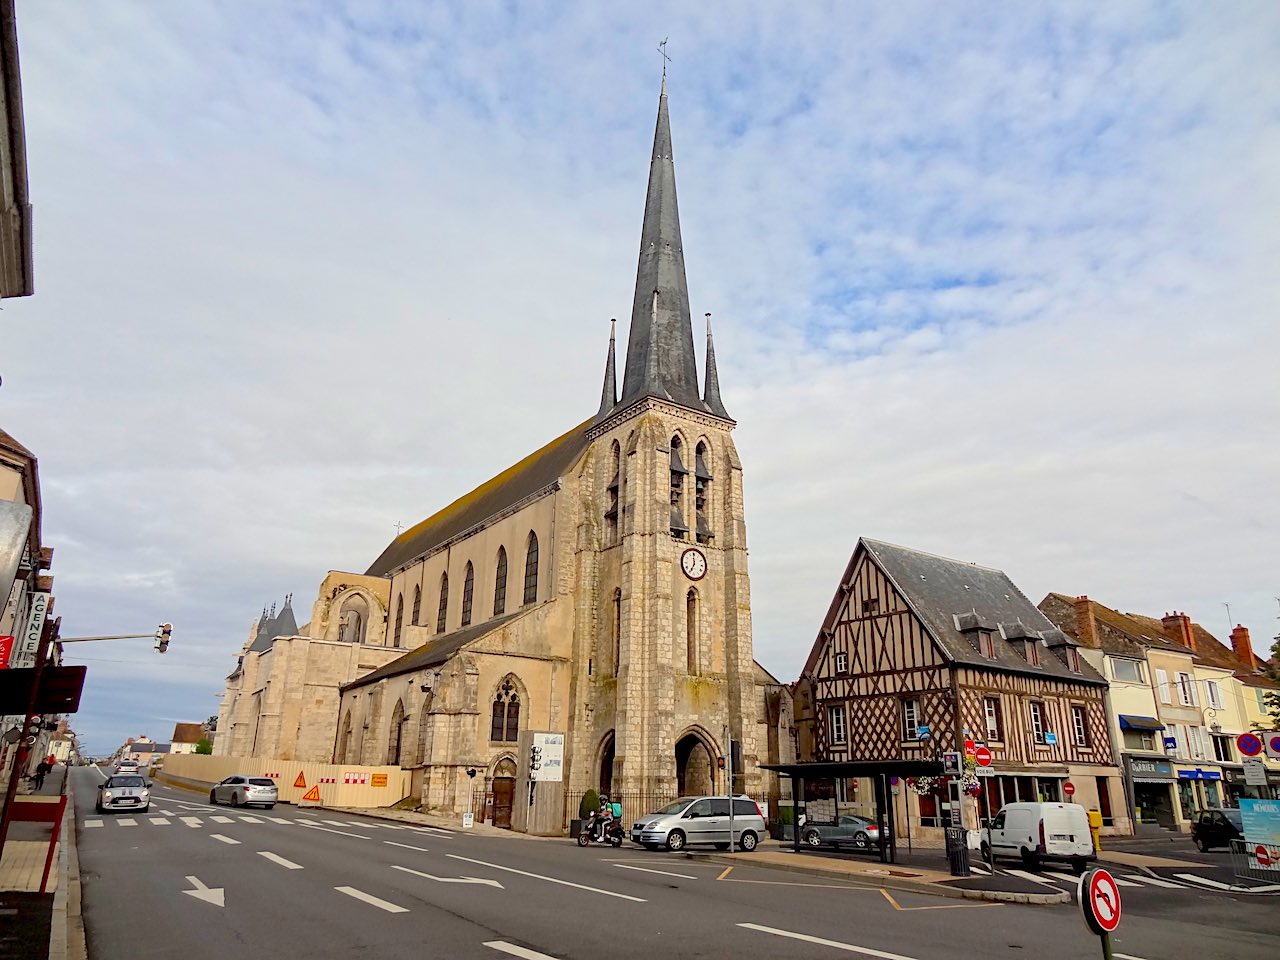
(662, 49)
(399, 527)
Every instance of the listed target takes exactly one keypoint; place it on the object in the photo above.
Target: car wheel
(270, 806)
(235, 799)
(213, 798)
(147, 808)
(1201, 845)
(1030, 860)
(675, 840)
(97, 807)
(747, 841)
(1078, 867)
(813, 838)
(861, 841)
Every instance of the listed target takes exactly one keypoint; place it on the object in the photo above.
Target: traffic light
(162, 637)
(535, 759)
(32, 729)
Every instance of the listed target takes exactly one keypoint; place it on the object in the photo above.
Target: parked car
(1216, 827)
(243, 790)
(124, 791)
(848, 831)
(701, 820)
(1039, 832)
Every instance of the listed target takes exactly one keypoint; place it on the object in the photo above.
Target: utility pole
(47, 635)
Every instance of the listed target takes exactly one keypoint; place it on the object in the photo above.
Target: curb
(895, 883)
(66, 931)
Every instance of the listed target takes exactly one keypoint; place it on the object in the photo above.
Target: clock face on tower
(694, 564)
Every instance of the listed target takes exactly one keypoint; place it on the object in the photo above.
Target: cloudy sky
(989, 281)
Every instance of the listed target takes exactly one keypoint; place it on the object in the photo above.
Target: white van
(1037, 832)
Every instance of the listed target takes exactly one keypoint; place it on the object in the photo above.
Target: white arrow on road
(419, 873)
(201, 892)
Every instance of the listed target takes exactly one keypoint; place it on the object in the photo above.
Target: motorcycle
(612, 834)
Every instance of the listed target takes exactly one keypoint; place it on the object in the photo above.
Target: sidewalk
(28, 843)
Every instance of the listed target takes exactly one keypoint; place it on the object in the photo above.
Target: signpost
(1099, 898)
(1069, 789)
(1273, 745)
(983, 756)
(1255, 772)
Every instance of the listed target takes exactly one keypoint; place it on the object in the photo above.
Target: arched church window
(611, 511)
(500, 584)
(354, 617)
(679, 528)
(417, 605)
(701, 492)
(395, 640)
(344, 740)
(691, 630)
(531, 570)
(443, 610)
(617, 630)
(468, 589)
(395, 738)
(504, 725)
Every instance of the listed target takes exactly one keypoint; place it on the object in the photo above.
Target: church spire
(609, 395)
(711, 392)
(660, 360)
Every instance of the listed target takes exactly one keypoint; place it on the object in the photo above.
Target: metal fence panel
(634, 805)
(1246, 863)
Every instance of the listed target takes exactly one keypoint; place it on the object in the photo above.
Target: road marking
(1126, 956)
(1265, 888)
(207, 894)
(434, 831)
(946, 906)
(538, 876)
(867, 951)
(369, 898)
(222, 819)
(1028, 876)
(279, 820)
(524, 953)
(218, 836)
(127, 822)
(191, 821)
(1158, 882)
(1203, 880)
(406, 846)
(313, 826)
(727, 871)
(276, 858)
(93, 823)
(342, 823)
(665, 873)
(419, 873)
(250, 820)
(160, 821)
(166, 813)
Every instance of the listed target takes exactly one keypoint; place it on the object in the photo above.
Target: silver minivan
(701, 820)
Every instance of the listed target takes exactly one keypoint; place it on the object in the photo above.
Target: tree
(204, 747)
(1272, 721)
(211, 723)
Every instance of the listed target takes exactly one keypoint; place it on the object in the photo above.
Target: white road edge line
(370, 899)
(406, 846)
(1159, 882)
(512, 950)
(867, 951)
(1203, 880)
(276, 858)
(538, 876)
(665, 873)
(312, 826)
(1127, 956)
(218, 836)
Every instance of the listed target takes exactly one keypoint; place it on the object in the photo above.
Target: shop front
(1151, 783)
(1199, 788)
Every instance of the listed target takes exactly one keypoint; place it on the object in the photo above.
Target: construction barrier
(327, 784)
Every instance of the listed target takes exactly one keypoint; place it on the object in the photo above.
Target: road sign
(983, 756)
(1051, 739)
(1100, 902)
(922, 732)
(984, 771)
(1069, 789)
(378, 780)
(312, 795)
(1255, 772)
(969, 748)
(1249, 744)
(300, 782)
(1273, 745)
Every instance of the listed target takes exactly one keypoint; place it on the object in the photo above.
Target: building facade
(919, 655)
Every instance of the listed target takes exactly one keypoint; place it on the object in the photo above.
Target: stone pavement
(28, 843)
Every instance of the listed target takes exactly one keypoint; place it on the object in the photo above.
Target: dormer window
(1033, 652)
(986, 644)
(1073, 659)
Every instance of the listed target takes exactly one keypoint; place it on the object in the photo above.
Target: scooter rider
(603, 817)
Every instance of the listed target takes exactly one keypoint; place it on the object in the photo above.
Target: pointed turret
(660, 360)
(609, 394)
(711, 391)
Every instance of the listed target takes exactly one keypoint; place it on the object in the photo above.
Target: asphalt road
(305, 883)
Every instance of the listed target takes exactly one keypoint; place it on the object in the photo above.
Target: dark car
(1216, 828)
(849, 831)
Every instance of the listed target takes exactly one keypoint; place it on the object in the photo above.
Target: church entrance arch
(504, 792)
(606, 763)
(695, 774)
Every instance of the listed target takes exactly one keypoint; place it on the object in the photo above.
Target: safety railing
(1255, 861)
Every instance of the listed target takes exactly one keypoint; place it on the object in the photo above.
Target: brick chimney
(1243, 648)
(1086, 625)
(1177, 627)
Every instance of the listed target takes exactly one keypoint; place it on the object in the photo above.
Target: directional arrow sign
(201, 892)
(419, 873)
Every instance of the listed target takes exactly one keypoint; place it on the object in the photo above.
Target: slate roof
(436, 652)
(187, 733)
(535, 472)
(940, 590)
(270, 628)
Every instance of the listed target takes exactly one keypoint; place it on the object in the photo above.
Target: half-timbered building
(919, 655)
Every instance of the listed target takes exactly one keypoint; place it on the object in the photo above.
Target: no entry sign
(1249, 744)
(983, 756)
(1069, 789)
(1100, 901)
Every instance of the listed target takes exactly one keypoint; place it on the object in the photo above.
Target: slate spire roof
(609, 394)
(660, 360)
(711, 392)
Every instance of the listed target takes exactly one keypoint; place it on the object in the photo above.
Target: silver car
(124, 791)
(701, 820)
(243, 790)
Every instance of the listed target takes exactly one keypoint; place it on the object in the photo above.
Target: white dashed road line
(370, 899)
(279, 820)
(127, 822)
(1157, 882)
(849, 947)
(1214, 884)
(276, 858)
(250, 820)
(406, 846)
(218, 836)
(524, 953)
(538, 876)
(191, 821)
(89, 823)
(160, 821)
(1028, 876)
(665, 873)
(222, 820)
(312, 826)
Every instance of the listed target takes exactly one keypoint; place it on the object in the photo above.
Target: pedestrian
(42, 768)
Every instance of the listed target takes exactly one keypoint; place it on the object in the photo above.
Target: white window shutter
(1162, 684)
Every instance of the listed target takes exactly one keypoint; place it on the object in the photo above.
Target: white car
(242, 790)
(127, 766)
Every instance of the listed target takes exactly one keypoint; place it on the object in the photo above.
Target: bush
(589, 805)
(204, 747)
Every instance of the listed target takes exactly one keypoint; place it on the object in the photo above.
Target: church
(597, 588)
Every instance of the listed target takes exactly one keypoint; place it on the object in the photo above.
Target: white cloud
(997, 284)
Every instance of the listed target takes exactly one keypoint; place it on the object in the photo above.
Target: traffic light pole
(47, 636)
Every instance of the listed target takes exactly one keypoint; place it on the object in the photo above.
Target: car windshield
(262, 782)
(1234, 817)
(126, 782)
(677, 806)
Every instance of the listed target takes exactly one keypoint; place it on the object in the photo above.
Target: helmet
(604, 798)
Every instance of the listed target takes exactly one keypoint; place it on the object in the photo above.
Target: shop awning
(1133, 722)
